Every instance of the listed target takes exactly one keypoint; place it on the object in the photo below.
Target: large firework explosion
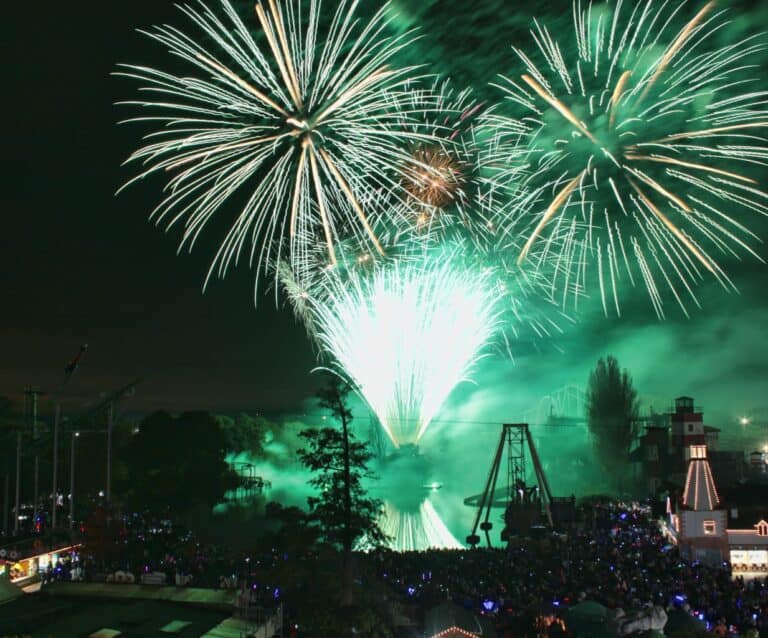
(637, 142)
(291, 131)
(372, 202)
(405, 334)
(442, 175)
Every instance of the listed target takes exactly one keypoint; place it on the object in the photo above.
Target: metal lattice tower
(515, 462)
(516, 437)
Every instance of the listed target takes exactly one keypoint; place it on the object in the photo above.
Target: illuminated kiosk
(21, 566)
(749, 548)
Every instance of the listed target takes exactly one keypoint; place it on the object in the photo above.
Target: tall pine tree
(342, 508)
(612, 408)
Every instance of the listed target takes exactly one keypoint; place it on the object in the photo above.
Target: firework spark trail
(405, 334)
(294, 131)
(645, 145)
(418, 530)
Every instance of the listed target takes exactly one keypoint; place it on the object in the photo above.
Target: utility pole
(72, 464)
(5, 502)
(54, 500)
(110, 404)
(110, 423)
(68, 372)
(75, 434)
(18, 483)
(33, 394)
(111, 401)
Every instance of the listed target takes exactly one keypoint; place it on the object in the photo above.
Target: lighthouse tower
(687, 423)
(699, 524)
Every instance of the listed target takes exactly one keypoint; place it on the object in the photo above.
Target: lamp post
(18, 483)
(75, 435)
(5, 503)
(33, 394)
(54, 499)
(110, 423)
(68, 372)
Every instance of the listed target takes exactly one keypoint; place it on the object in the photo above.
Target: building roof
(700, 492)
(448, 619)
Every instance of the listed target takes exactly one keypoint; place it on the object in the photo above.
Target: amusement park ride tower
(526, 507)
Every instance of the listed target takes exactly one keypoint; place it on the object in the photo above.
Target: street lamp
(75, 435)
(68, 372)
(745, 420)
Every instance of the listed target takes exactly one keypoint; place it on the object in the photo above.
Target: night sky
(83, 266)
(80, 265)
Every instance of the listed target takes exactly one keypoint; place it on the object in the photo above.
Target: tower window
(698, 451)
(710, 529)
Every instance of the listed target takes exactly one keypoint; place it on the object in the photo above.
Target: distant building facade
(660, 456)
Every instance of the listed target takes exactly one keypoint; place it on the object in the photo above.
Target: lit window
(762, 528)
(709, 528)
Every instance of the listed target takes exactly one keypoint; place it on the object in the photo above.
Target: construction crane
(108, 403)
(69, 370)
(524, 505)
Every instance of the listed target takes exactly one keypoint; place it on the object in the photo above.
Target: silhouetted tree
(612, 408)
(244, 433)
(178, 463)
(339, 462)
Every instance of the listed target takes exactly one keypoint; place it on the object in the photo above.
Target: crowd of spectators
(617, 556)
(156, 551)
